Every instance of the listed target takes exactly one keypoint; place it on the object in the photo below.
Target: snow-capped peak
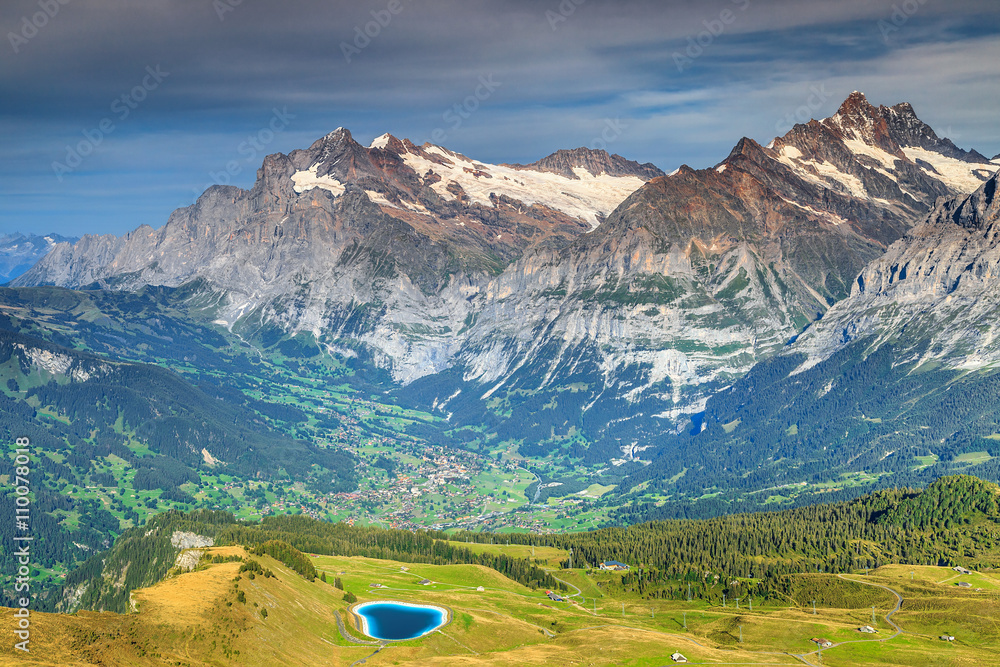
(381, 141)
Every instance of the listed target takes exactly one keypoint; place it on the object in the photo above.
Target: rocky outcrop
(188, 559)
(185, 540)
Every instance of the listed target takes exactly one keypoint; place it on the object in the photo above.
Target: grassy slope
(186, 620)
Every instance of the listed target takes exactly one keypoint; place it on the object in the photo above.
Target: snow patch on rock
(586, 198)
(307, 180)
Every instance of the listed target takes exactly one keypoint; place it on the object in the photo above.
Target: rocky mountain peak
(857, 107)
(594, 161)
(746, 147)
(389, 143)
(857, 119)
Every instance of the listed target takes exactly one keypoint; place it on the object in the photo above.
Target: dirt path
(888, 619)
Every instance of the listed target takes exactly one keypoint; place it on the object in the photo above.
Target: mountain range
(583, 293)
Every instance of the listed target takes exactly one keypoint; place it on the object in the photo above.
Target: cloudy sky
(116, 112)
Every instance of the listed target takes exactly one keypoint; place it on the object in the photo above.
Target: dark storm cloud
(564, 69)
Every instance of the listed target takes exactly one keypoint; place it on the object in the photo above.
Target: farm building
(822, 643)
(613, 565)
(677, 657)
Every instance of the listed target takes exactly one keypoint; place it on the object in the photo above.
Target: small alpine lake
(396, 621)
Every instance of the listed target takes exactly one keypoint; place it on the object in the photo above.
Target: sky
(113, 113)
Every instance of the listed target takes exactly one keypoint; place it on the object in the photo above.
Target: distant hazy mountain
(18, 252)
(584, 291)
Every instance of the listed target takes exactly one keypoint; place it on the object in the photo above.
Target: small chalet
(425, 582)
(964, 584)
(677, 657)
(947, 638)
(613, 565)
(822, 643)
(867, 629)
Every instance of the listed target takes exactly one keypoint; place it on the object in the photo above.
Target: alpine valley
(402, 336)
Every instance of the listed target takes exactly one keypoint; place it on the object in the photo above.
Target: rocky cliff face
(938, 284)
(583, 276)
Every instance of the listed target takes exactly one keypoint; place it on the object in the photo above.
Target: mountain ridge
(493, 283)
(19, 252)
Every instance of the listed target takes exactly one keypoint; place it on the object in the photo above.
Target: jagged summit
(744, 147)
(857, 107)
(882, 154)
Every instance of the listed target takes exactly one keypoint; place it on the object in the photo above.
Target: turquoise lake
(399, 620)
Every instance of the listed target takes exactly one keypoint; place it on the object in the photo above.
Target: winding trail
(563, 581)
(888, 619)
